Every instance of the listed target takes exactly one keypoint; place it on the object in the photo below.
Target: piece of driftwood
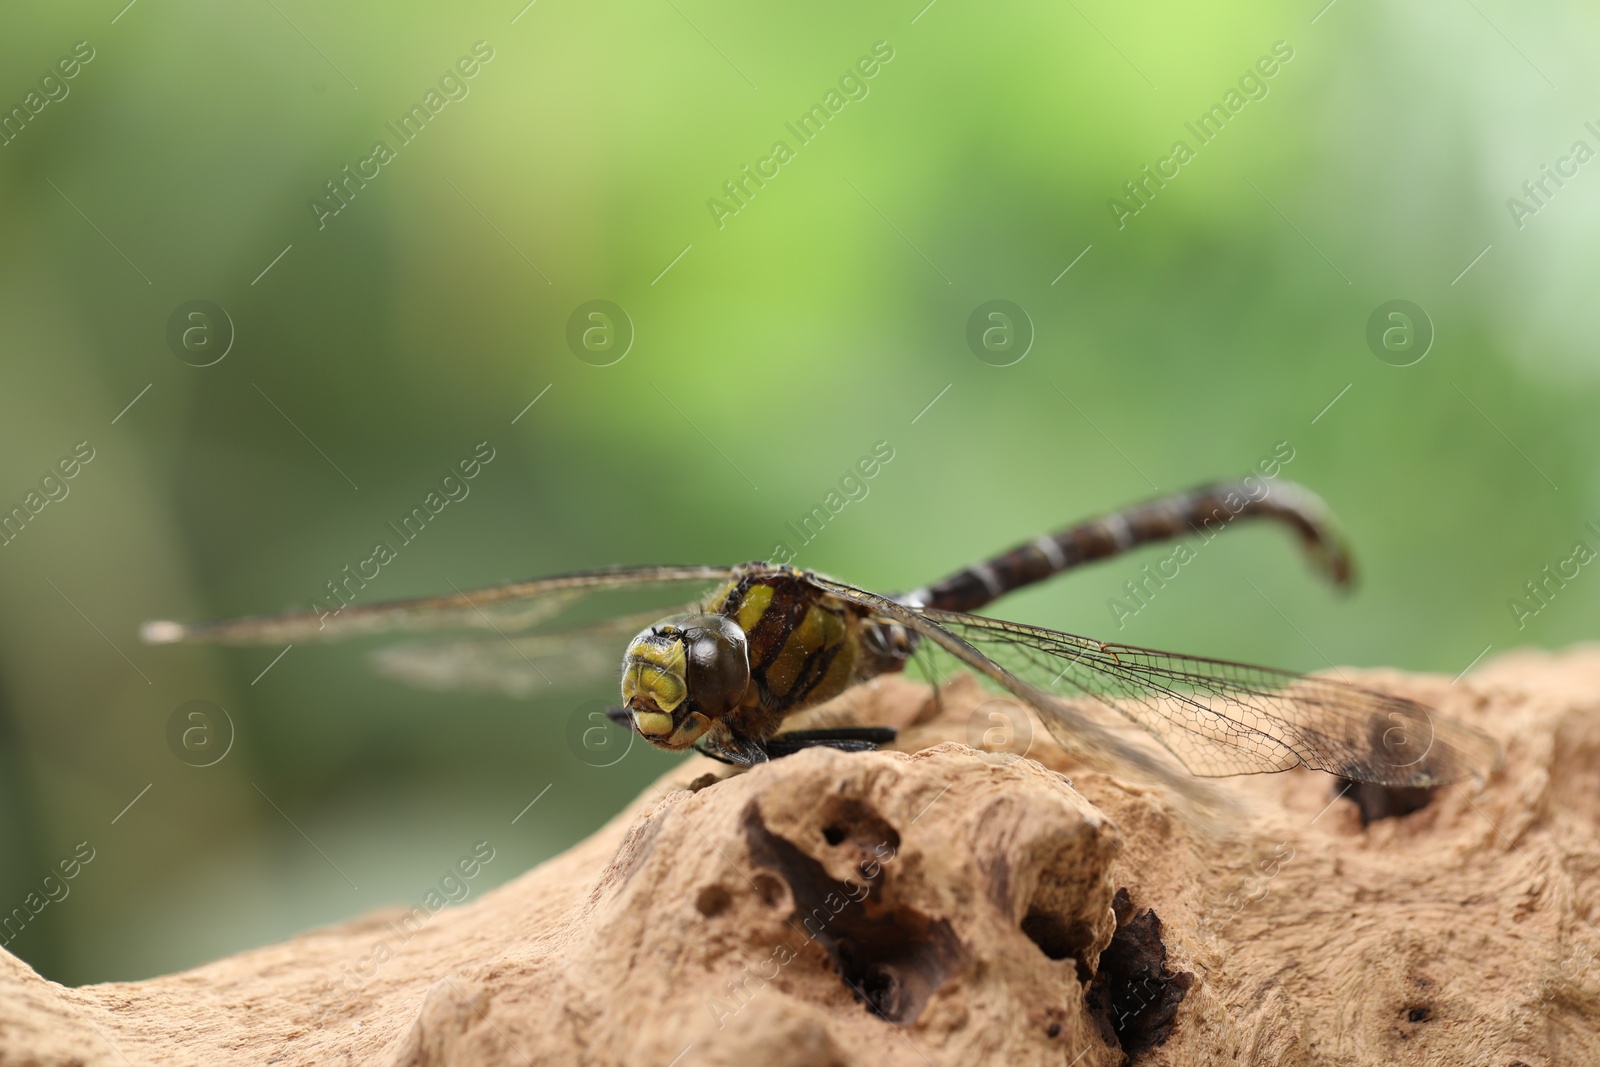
(951, 905)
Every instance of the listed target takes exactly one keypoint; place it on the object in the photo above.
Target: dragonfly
(751, 646)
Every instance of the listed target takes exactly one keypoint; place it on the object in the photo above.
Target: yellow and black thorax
(805, 645)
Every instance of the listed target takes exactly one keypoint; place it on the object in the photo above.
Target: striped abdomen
(1201, 511)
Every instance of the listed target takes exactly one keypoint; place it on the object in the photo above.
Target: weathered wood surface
(971, 899)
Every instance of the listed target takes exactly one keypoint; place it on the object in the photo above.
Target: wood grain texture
(968, 895)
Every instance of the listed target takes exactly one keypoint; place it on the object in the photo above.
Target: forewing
(509, 609)
(1218, 718)
(1078, 732)
(1221, 718)
(518, 666)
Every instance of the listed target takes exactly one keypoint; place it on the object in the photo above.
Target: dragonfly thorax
(682, 675)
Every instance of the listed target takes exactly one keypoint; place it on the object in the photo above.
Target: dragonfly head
(682, 675)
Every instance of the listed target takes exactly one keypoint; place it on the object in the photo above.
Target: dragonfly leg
(739, 751)
(1202, 512)
(746, 752)
(715, 752)
(734, 749)
(843, 738)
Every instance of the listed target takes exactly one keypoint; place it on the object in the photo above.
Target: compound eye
(719, 663)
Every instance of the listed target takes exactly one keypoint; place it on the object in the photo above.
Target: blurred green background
(770, 353)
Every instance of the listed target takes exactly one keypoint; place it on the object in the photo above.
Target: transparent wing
(515, 666)
(1221, 718)
(1218, 718)
(1077, 731)
(512, 608)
